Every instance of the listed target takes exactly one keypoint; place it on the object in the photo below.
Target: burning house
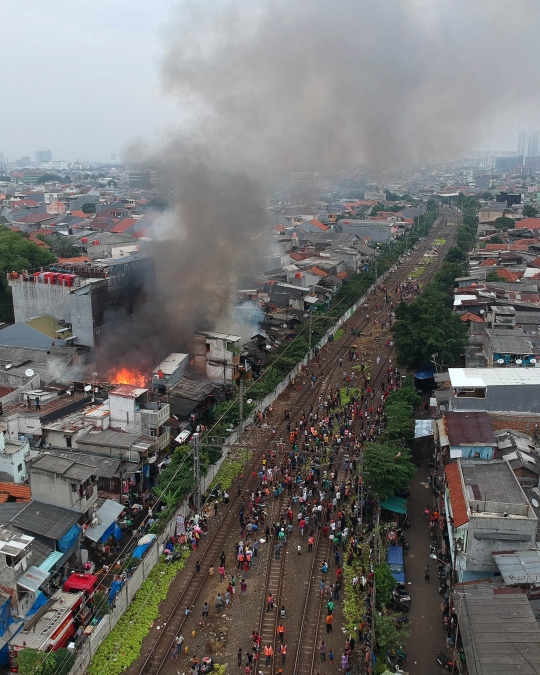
(81, 295)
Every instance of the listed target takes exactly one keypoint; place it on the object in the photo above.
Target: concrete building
(81, 295)
(488, 511)
(17, 563)
(67, 483)
(217, 356)
(502, 390)
(131, 411)
(43, 156)
(169, 372)
(469, 435)
(12, 458)
(379, 231)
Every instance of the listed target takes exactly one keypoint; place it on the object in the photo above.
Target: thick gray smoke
(264, 87)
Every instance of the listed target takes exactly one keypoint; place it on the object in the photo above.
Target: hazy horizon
(86, 80)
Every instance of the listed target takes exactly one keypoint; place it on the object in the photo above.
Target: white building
(12, 454)
(487, 512)
(217, 356)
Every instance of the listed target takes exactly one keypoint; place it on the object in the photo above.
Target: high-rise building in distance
(528, 143)
(43, 156)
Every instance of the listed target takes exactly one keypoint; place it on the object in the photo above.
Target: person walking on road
(329, 620)
(239, 657)
(426, 574)
(219, 603)
(322, 650)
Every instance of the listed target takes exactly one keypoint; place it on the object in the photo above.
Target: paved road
(427, 632)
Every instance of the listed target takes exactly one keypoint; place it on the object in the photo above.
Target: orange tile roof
(75, 259)
(81, 214)
(469, 316)
(16, 490)
(301, 255)
(528, 224)
(489, 262)
(457, 499)
(3, 497)
(508, 275)
(497, 247)
(320, 225)
(318, 272)
(342, 275)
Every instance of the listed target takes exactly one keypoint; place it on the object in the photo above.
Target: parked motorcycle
(447, 663)
(399, 623)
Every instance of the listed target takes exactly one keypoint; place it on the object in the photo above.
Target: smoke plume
(269, 86)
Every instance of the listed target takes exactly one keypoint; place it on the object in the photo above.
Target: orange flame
(125, 375)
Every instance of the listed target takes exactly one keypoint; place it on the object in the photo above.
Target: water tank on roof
(84, 240)
(96, 242)
(298, 275)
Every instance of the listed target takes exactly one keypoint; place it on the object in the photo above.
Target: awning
(424, 374)
(443, 438)
(107, 513)
(423, 428)
(395, 504)
(33, 578)
(505, 536)
(50, 561)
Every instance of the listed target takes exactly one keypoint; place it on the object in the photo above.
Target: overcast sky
(80, 78)
(83, 78)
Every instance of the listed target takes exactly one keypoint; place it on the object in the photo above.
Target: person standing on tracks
(329, 620)
(268, 653)
(283, 652)
(219, 603)
(177, 647)
(281, 632)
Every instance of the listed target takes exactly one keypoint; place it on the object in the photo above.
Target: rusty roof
(457, 498)
(469, 428)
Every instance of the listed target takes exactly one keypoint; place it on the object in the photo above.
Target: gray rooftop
(492, 482)
(195, 391)
(108, 437)
(519, 567)
(45, 520)
(499, 632)
(64, 466)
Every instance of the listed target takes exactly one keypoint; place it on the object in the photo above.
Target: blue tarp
(4, 652)
(5, 617)
(115, 587)
(69, 538)
(140, 550)
(113, 529)
(424, 374)
(41, 599)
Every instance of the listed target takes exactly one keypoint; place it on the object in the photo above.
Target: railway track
(190, 585)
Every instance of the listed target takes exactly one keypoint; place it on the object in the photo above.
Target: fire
(125, 375)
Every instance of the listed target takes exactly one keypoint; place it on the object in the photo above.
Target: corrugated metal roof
(46, 520)
(107, 513)
(499, 631)
(469, 428)
(484, 377)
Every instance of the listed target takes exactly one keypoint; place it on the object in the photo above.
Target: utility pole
(310, 329)
(241, 407)
(197, 472)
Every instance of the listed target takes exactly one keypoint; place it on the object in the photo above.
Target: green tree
(90, 207)
(446, 277)
(400, 421)
(529, 211)
(455, 255)
(495, 239)
(389, 468)
(17, 253)
(385, 584)
(62, 246)
(424, 328)
(406, 393)
(387, 635)
(49, 178)
(34, 662)
(494, 276)
(504, 223)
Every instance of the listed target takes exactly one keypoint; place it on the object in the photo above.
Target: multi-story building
(83, 295)
(131, 411)
(487, 512)
(43, 156)
(217, 356)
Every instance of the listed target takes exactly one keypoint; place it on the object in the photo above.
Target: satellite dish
(535, 503)
(88, 387)
(29, 372)
(519, 362)
(8, 366)
(501, 361)
(482, 311)
(532, 360)
(249, 401)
